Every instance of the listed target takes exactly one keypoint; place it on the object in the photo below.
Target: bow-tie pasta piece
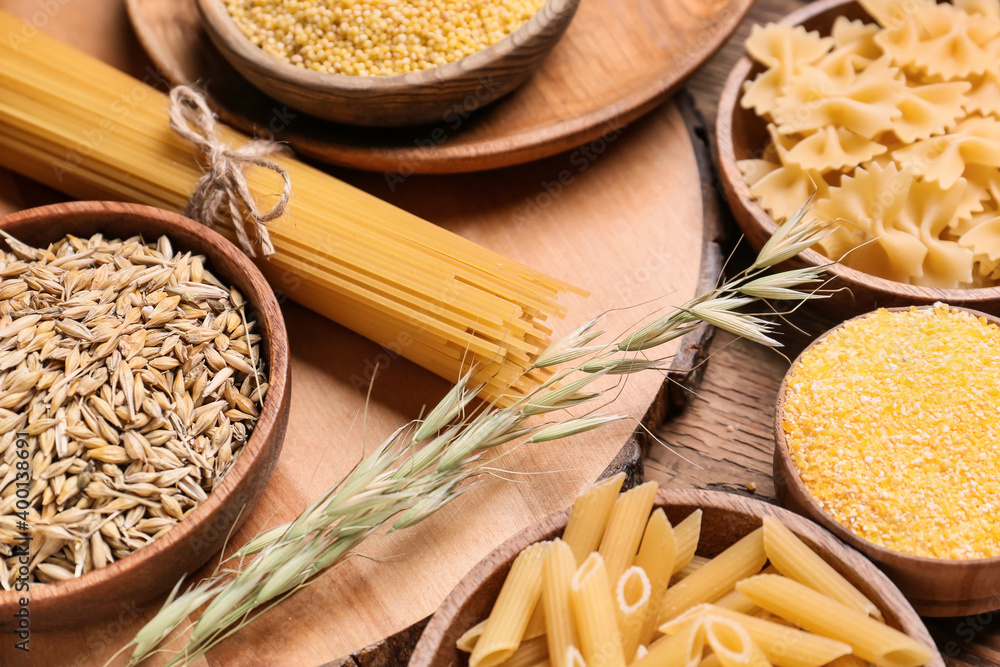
(784, 50)
(856, 35)
(754, 170)
(982, 190)
(930, 211)
(833, 148)
(984, 182)
(990, 8)
(984, 96)
(930, 109)
(982, 237)
(854, 50)
(781, 190)
(941, 40)
(866, 105)
(943, 159)
(779, 183)
(866, 209)
(891, 13)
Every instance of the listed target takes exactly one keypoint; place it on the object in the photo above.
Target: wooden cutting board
(622, 218)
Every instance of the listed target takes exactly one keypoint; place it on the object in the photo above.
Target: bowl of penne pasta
(674, 577)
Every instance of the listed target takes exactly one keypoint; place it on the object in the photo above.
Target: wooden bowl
(741, 135)
(134, 580)
(727, 518)
(934, 586)
(433, 95)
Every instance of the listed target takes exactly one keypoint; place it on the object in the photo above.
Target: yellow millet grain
(377, 38)
(893, 423)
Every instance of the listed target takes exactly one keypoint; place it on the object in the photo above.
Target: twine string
(222, 192)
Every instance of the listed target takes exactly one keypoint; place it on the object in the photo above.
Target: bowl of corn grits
(886, 434)
(386, 64)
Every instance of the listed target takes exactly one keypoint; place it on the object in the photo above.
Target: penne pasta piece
(717, 577)
(536, 628)
(682, 649)
(784, 646)
(656, 557)
(871, 640)
(731, 643)
(557, 578)
(624, 532)
(536, 624)
(530, 653)
(468, 640)
(589, 516)
(848, 661)
(736, 601)
(696, 563)
(793, 558)
(575, 658)
(512, 610)
(687, 534)
(594, 611)
(710, 660)
(632, 596)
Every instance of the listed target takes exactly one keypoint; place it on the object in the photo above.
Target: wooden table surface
(724, 438)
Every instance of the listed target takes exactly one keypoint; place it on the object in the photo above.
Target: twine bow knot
(222, 190)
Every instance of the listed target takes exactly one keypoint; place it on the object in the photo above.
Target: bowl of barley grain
(144, 394)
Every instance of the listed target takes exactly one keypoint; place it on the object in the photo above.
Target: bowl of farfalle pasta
(882, 117)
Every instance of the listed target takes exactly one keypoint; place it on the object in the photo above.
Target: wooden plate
(726, 519)
(742, 135)
(397, 100)
(617, 60)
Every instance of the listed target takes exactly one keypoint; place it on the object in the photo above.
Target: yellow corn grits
(894, 424)
(377, 38)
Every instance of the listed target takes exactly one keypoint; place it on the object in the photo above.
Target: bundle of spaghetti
(93, 132)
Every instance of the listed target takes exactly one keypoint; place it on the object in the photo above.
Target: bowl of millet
(383, 63)
(886, 432)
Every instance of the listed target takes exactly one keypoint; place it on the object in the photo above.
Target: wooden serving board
(617, 60)
(625, 221)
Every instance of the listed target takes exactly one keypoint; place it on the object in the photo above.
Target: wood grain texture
(420, 97)
(622, 217)
(935, 587)
(617, 60)
(726, 519)
(742, 135)
(725, 435)
(150, 570)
